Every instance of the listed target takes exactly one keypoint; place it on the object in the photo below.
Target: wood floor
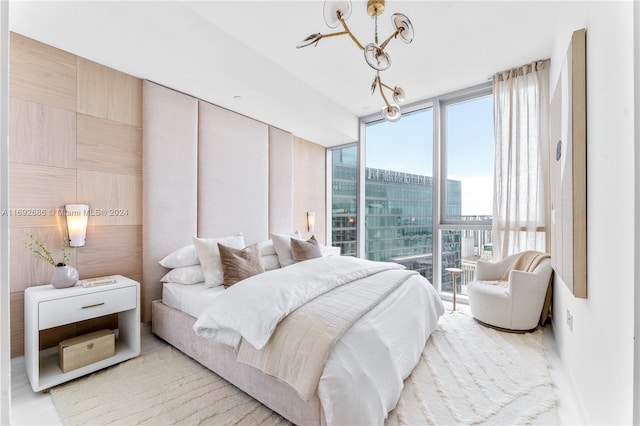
(30, 408)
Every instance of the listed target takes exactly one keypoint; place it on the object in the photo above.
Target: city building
(399, 220)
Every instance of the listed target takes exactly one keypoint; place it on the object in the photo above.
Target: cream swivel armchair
(515, 304)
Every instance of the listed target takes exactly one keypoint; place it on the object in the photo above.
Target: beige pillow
(305, 250)
(239, 264)
(207, 249)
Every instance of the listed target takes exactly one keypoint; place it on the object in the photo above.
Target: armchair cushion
(493, 271)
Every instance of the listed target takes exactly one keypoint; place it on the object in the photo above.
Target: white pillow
(282, 244)
(184, 275)
(209, 255)
(270, 262)
(185, 256)
(268, 255)
(266, 247)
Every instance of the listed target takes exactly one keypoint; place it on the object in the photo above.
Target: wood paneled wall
(75, 137)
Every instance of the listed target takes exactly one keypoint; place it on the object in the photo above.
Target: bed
(365, 368)
(209, 172)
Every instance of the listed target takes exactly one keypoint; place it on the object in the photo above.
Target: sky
(407, 146)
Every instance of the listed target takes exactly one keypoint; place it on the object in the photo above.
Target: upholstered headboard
(211, 172)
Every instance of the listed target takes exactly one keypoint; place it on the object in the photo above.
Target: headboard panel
(233, 174)
(280, 181)
(170, 181)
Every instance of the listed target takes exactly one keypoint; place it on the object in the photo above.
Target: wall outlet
(569, 320)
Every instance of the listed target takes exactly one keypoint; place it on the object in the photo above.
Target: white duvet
(363, 376)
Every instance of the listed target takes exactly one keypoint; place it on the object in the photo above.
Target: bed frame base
(176, 328)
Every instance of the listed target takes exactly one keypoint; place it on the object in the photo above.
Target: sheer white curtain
(521, 185)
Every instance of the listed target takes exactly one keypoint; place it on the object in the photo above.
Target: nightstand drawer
(53, 313)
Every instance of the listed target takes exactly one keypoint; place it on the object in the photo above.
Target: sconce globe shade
(77, 216)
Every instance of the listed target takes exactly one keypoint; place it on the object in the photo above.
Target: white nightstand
(46, 307)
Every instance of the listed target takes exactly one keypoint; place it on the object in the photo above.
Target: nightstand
(47, 307)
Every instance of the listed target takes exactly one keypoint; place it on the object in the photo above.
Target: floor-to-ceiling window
(344, 169)
(426, 188)
(399, 191)
(467, 159)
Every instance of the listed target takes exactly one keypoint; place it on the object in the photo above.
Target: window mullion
(437, 196)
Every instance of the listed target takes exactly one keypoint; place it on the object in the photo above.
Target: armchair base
(506, 330)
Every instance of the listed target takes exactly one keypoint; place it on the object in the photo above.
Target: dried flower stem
(40, 251)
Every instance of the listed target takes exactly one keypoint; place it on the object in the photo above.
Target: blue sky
(407, 146)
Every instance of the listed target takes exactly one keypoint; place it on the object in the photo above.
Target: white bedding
(252, 308)
(363, 376)
(190, 299)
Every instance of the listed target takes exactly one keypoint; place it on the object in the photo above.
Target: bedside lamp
(311, 221)
(77, 215)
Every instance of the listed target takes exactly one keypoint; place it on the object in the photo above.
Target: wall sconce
(77, 215)
(311, 221)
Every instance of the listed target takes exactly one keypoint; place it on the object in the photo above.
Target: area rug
(467, 374)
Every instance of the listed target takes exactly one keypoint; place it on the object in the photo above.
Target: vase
(64, 276)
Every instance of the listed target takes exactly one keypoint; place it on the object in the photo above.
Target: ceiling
(241, 55)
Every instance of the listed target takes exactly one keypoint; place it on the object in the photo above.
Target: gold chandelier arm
(392, 36)
(348, 31)
(384, 98)
(387, 87)
(334, 34)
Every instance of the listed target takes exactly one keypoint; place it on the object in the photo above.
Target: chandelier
(336, 13)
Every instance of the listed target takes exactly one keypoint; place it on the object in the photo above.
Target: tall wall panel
(309, 187)
(170, 181)
(233, 175)
(280, 181)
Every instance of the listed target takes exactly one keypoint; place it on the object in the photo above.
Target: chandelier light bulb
(374, 85)
(377, 58)
(334, 10)
(391, 113)
(313, 38)
(398, 94)
(401, 21)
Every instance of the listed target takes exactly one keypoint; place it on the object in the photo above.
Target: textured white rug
(468, 374)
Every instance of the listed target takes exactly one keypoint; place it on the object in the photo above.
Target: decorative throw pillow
(305, 250)
(282, 244)
(209, 255)
(184, 256)
(184, 275)
(239, 264)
